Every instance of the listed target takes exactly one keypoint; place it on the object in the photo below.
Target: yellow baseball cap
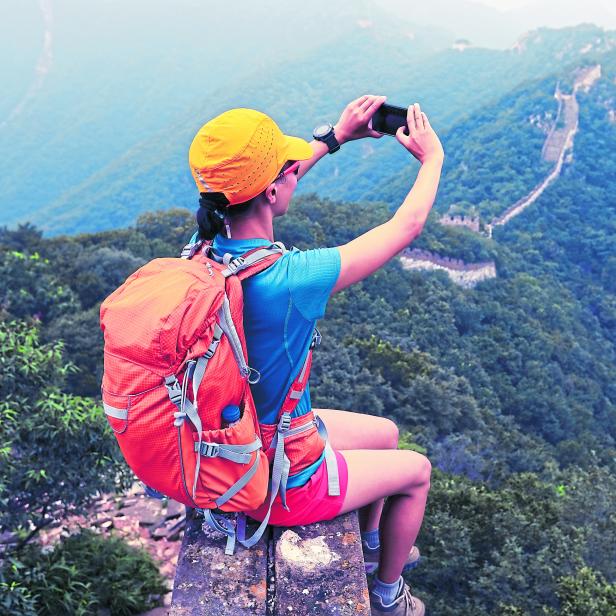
(240, 152)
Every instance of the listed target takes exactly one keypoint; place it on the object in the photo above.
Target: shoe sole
(372, 567)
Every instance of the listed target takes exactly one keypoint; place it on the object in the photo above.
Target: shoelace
(409, 597)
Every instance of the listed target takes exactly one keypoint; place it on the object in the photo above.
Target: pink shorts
(308, 503)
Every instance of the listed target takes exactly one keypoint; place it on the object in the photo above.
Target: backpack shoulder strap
(254, 261)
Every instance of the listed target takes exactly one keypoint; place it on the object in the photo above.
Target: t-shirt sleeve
(312, 276)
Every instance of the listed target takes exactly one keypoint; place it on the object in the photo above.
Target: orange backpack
(174, 357)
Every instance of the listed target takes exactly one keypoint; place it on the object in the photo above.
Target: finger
(417, 117)
(366, 104)
(425, 120)
(422, 124)
(378, 102)
(361, 99)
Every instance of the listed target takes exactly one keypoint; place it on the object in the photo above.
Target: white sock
(388, 592)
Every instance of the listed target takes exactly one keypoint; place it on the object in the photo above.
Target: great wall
(558, 148)
(464, 274)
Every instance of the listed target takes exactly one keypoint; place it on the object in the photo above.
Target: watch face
(321, 131)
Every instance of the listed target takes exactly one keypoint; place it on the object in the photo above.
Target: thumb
(400, 136)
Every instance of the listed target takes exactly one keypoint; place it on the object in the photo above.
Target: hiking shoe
(404, 605)
(371, 558)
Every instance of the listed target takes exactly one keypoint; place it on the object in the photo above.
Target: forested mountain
(113, 78)
(103, 171)
(509, 387)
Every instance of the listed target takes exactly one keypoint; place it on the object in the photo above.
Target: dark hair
(212, 212)
(213, 209)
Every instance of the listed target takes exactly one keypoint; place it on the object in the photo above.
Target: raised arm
(365, 254)
(351, 125)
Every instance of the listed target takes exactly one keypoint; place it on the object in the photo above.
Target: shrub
(81, 575)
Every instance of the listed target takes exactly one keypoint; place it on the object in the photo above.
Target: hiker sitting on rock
(246, 170)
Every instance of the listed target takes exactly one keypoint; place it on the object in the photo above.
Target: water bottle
(230, 416)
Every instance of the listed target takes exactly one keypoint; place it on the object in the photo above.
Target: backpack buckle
(316, 338)
(235, 264)
(174, 389)
(209, 450)
(285, 422)
(212, 349)
(189, 251)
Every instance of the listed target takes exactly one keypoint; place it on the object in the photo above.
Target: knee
(420, 471)
(425, 471)
(391, 434)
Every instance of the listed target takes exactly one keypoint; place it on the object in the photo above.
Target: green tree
(56, 450)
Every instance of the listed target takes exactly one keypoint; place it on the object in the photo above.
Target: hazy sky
(505, 4)
(608, 5)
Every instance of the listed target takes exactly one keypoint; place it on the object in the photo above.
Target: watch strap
(329, 139)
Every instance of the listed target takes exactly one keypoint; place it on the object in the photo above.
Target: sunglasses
(294, 168)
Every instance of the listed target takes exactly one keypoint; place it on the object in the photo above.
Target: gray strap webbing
(292, 432)
(226, 323)
(278, 478)
(217, 522)
(239, 484)
(185, 409)
(286, 468)
(235, 453)
(114, 412)
(240, 263)
(197, 377)
(333, 479)
(177, 395)
(303, 372)
(190, 249)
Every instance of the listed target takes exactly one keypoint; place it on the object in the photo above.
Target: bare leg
(403, 476)
(347, 430)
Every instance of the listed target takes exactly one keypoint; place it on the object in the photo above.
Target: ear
(270, 194)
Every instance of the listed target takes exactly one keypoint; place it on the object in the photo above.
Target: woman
(246, 171)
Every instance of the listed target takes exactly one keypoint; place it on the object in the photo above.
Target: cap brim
(297, 149)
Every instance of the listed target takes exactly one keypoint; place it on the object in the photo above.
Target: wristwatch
(325, 133)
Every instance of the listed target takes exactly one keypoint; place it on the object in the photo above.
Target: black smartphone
(388, 119)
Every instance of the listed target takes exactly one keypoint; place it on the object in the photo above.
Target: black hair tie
(213, 202)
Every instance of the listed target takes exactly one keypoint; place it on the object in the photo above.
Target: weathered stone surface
(208, 582)
(319, 569)
(174, 509)
(149, 511)
(169, 528)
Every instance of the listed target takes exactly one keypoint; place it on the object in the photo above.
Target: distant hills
(106, 139)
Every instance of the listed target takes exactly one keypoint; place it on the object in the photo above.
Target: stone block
(319, 569)
(297, 571)
(208, 582)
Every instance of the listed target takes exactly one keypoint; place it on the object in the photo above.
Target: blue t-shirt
(281, 307)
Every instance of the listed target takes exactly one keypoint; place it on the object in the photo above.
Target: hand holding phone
(354, 121)
(387, 119)
(418, 137)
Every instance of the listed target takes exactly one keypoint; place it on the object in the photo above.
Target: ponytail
(213, 210)
(211, 214)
